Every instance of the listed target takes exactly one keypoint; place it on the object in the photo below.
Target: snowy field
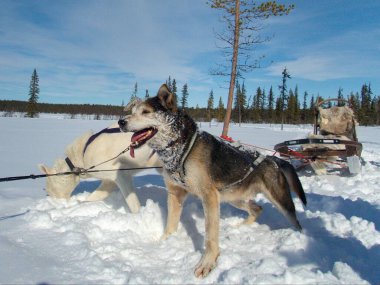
(49, 241)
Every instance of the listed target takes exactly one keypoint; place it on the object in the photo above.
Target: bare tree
(243, 20)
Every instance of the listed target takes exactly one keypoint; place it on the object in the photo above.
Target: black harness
(78, 170)
(104, 131)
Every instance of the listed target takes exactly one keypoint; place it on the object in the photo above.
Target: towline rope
(81, 171)
(293, 153)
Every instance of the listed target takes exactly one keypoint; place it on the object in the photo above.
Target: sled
(332, 147)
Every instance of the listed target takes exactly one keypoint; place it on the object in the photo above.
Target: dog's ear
(167, 99)
(131, 104)
(44, 169)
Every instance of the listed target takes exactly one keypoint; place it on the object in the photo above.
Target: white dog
(93, 149)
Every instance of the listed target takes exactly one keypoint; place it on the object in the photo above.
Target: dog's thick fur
(103, 147)
(198, 163)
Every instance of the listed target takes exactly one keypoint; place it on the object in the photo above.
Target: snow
(43, 240)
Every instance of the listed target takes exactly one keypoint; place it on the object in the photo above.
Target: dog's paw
(205, 265)
(165, 236)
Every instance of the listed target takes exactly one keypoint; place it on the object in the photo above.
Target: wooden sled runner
(333, 145)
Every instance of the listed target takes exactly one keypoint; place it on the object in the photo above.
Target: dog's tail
(291, 177)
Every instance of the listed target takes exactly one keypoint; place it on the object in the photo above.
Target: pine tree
(278, 110)
(262, 106)
(185, 95)
(237, 103)
(34, 91)
(243, 103)
(134, 93)
(365, 110)
(283, 95)
(257, 99)
(210, 106)
(169, 83)
(378, 111)
(312, 108)
(296, 106)
(340, 97)
(354, 103)
(304, 114)
(220, 110)
(241, 36)
(174, 90)
(329, 104)
(271, 105)
(290, 112)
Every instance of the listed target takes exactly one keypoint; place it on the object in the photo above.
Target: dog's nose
(121, 123)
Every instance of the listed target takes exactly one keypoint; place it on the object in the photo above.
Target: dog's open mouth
(141, 137)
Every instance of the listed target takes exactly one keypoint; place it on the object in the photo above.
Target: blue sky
(94, 51)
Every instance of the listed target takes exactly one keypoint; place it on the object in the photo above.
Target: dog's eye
(145, 112)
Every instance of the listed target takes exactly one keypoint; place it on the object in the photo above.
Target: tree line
(9, 108)
(263, 106)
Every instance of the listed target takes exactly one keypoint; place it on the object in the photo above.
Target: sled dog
(91, 149)
(198, 163)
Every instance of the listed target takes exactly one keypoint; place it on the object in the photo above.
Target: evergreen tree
(174, 90)
(220, 110)
(243, 103)
(256, 104)
(278, 110)
(262, 105)
(169, 83)
(373, 112)
(354, 103)
(146, 94)
(185, 95)
(312, 108)
(34, 91)
(329, 104)
(365, 110)
(237, 103)
(296, 106)
(378, 111)
(304, 113)
(290, 112)
(340, 97)
(210, 106)
(134, 93)
(271, 105)
(283, 94)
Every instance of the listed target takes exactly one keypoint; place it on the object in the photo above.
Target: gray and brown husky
(198, 163)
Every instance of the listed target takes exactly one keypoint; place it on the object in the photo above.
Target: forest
(261, 107)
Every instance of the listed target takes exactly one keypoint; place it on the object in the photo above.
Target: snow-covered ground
(43, 240)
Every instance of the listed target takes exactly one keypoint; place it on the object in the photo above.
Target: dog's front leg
(211, 208)
(176, 197)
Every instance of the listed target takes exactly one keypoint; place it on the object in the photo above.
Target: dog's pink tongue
(137, 136)
(132, 151)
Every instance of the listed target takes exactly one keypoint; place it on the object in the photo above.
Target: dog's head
(149, 117)
(61, 186)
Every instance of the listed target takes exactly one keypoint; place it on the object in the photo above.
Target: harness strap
(104, 131)
(75, 170)
(255, 164)
(186, 154)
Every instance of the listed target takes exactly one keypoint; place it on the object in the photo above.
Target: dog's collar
(70, 164)
(179, 174)
(75, 170)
